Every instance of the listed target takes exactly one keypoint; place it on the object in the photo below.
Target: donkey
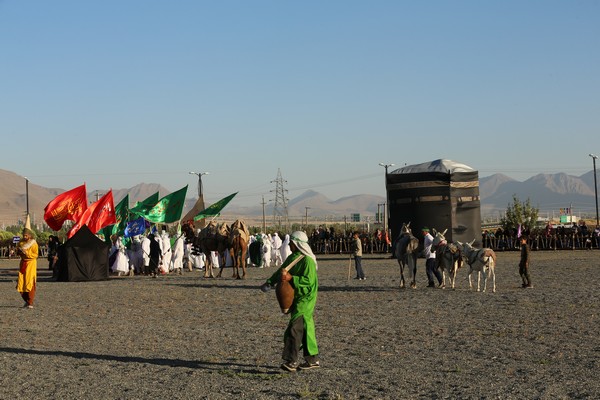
(406, 253)
(481, 260)
(447, 256)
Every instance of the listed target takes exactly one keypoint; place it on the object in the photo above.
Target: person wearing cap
(26, 282)
(431, 267)
(300, 332)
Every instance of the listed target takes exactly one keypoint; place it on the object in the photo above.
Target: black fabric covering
(255, 250)
(440, 194)
(84, 257)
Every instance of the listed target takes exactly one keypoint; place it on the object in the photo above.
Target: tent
(199, 206)
(440, 194)
(84, 257)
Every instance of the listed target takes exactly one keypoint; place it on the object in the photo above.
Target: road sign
(16, 239)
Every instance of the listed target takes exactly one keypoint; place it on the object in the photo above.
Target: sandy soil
(187, 337)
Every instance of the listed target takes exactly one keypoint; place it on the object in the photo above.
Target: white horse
(481, 260)
(447, 256)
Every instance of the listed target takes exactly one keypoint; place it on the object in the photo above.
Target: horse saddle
(452, 248)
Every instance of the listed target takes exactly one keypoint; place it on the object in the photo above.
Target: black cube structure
(440, 194)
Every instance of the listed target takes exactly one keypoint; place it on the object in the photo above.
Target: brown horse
(238, 237)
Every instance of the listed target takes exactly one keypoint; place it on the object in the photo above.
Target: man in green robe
(300, 270)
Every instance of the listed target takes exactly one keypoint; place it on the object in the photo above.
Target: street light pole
(595, 187)
(385, 207)
(200, 191)
(27, 195)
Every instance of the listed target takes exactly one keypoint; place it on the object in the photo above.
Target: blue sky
(115, 93)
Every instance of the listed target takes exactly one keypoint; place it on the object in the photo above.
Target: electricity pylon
(280, 211)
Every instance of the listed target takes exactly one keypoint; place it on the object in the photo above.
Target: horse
(213, 237)
(238, 237)
(481, 260)
(447, 256)
(406, 253)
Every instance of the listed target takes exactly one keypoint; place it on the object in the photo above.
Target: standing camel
(239, 237)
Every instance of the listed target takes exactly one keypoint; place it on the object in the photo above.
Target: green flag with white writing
(168, 209)
(215, 209)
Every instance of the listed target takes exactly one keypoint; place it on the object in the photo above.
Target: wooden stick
(349, 265)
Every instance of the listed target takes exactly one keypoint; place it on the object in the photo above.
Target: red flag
(98, 215)
(69, 205)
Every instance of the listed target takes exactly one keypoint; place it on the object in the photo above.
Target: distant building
(440, 194)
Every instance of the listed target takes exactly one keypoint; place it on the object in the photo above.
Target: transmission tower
(280, 212)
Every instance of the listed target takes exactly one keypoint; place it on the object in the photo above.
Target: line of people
(159, 254)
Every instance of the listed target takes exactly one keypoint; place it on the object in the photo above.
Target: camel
(239, 237)
(213, 237)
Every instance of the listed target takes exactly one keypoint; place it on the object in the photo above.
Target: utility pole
(264, 222)
(385, 217)
(595, 188)
(306, 218)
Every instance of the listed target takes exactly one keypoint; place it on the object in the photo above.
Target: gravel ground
(187, 337)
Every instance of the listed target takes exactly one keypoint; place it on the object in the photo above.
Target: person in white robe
(121, 264)
(285, 248)
(214, 256)
(276, 250)
(266, 255)
(136, 261)
(198, 260)
(146, 255)
(177, 259)
(166, 252)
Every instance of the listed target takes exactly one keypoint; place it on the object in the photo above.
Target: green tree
(520, 213)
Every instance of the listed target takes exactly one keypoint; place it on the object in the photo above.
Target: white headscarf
(300, 239)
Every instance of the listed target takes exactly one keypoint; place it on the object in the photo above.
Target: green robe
(305, 284)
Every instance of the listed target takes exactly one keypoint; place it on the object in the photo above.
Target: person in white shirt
(431, 267)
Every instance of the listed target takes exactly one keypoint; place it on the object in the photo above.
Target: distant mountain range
(548, 192)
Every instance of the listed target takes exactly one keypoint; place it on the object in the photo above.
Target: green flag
(142, 207)
(168, 209)
(122, 215)
(215, 209)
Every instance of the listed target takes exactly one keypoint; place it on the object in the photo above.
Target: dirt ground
(187, 337)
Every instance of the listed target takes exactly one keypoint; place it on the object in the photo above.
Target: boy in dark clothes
(524, 263)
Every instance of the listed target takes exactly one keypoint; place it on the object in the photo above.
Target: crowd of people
(158, 254)
(577, 236)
